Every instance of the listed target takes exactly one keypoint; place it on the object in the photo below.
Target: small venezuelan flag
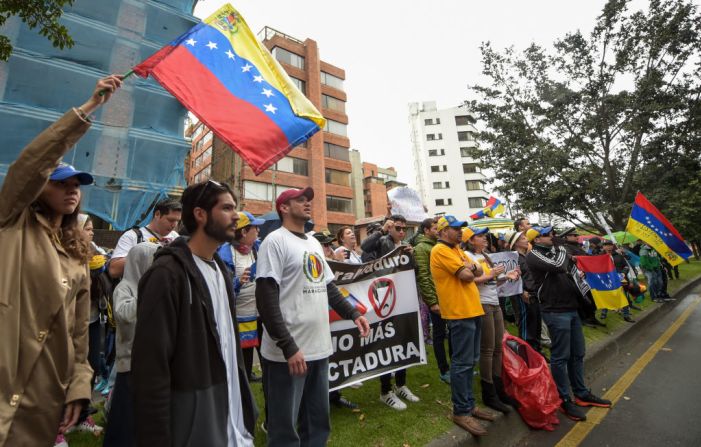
(494, 207)
(221, 73)
(352, 300)
(647, 223)
(600, 273)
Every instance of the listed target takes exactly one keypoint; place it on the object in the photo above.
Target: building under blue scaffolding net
(135, 148)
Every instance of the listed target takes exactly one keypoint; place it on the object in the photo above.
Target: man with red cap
(293, 292)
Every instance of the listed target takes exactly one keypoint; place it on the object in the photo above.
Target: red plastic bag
(528, 380)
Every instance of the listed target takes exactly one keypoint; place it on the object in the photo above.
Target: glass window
(332, 103)
(465, 152)
(339, 204)
(470, 168)
(464, 120)
(476, 202)
(336, 127)
(443, 202)
(437, 185)
(297, 166)
(301, 85)
(262, 191)
(430, 137)
(336, 152)
(288, 58)
(439, 168)
(428, 122)
(474, 185)
(436, 152)
(331, 80)
(337, 177)
(466, 136)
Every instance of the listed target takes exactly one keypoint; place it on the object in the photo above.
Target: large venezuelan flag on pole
(494, 207)
(647, 223)
(600, 273)
(230, 81)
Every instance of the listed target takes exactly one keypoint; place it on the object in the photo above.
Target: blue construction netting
(135, 148)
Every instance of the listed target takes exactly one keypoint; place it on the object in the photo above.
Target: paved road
(662, 407)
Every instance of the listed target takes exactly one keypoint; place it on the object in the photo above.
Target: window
(261, 191)
(439, 168)
(301, 85)
(339, 204)
(476, 202)
(333, 103)
(436, 152)
(331, 80)
(444, 202)
(465, 152)
(288, 58)
(463, 120)
(336, 177)
(204, 174)
(336, 152)
(433, 137)
(441, 185)
(297, 166)
(428, 122)
(336, 127)
(474, 185)
(466, 136)
(470, 168)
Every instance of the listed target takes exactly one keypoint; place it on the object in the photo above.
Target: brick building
(322, 162)
(370, 185)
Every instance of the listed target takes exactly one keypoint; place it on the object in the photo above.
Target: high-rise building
(449, 180)
(323, 162)
(135, 147)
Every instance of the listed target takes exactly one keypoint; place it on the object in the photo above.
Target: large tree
(581, 127)
(44, 14)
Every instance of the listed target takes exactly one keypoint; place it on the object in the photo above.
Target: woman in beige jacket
(44, 285)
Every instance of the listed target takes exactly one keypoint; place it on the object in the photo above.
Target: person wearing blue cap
(45, 288)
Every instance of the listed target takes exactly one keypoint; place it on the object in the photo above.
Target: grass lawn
(374, 424)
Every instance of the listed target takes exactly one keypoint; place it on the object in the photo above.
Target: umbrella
(623, 237)
(273, 222)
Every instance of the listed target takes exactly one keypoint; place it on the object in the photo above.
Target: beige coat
(44, 300)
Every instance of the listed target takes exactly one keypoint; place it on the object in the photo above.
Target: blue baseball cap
(449, 221)
(543, 230)
(246, 219)
(65, 171)
(468, 232)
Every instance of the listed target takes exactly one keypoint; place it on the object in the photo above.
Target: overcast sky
(396, 52)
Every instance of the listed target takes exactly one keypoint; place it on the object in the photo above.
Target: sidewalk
(507, 430)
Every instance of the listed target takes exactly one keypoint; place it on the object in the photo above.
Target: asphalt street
(662, 405)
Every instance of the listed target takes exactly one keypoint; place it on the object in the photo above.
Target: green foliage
(44, 14)
(581, 128)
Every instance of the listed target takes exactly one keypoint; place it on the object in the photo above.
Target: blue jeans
(465, 342)
(567, 352)
(440, 334)
(654, 283)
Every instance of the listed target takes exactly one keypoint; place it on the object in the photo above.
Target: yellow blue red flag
(649, 224)
(600, 273)
(494, 207)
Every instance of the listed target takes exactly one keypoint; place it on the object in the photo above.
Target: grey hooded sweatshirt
(124, 300)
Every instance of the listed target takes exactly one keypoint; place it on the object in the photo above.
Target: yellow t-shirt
(457, 299)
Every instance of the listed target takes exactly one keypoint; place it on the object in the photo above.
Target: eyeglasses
(201, 194)
(400, 229)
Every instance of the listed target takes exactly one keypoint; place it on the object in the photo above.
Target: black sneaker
(634, 307)
(342, 402)
(572, 411)
(589, 400)
(628, 318)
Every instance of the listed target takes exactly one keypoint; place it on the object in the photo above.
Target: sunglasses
(207, 185)
(400, 229)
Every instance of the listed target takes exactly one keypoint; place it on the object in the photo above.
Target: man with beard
(294, 290)
(189, 379)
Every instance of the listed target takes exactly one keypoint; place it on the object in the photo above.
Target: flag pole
(126, 75)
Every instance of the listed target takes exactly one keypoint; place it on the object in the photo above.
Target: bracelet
(82, 114)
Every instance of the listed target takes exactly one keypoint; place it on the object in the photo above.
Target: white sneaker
(60, 441)
(87, 426)
(405, 393)
(392, 401)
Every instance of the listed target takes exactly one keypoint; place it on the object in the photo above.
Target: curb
(509, 429)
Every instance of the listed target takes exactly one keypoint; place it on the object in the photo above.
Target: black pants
(440, 334)
(531, 326)
(386, 381)
(120, 422)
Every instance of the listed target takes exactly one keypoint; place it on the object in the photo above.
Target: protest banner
(509, 259)
(383, 290)
(407, 202)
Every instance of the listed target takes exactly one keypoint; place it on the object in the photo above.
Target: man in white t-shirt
(161, 230)
(293, 292)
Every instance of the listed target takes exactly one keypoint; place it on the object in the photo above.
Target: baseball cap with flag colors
(246, 219)
(468, 232)
(449, 221)
(537, 231)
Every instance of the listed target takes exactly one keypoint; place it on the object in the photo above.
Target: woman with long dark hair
(44, 284)
(348, 246)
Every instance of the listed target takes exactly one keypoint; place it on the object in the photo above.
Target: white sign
(509, 259)
(407, 202)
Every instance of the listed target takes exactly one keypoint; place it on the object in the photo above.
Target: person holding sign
(475, 241)
(459, 301)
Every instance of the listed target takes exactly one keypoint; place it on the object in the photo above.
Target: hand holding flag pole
(124, 76)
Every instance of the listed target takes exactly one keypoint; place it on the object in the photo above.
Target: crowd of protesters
(168, 326)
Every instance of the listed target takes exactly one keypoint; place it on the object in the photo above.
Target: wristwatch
(473, 268)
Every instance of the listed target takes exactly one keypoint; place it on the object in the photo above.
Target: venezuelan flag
(494, 207)
(352, 300)
(647, 223)
(600, 273)
(230, 81)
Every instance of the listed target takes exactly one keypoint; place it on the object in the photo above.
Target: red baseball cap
(290, 194)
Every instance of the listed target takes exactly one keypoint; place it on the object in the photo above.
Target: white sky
(396, 52)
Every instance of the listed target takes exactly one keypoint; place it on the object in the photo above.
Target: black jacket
(376, 246)
(526, 275)
(179, 377)
(551, 270)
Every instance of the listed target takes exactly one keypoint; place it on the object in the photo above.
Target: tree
(583, 127)
(44, 14)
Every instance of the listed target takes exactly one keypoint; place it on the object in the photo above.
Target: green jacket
(649, 260)
(424, 280)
